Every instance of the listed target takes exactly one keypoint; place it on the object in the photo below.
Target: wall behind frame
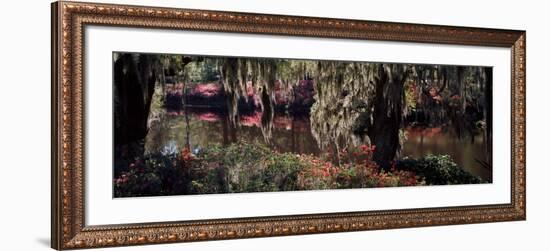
(25, 120)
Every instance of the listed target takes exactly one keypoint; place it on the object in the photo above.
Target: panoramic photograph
(192, 124)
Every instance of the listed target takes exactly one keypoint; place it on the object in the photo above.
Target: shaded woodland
(350, 107)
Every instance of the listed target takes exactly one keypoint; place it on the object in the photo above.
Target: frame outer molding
(68, 227)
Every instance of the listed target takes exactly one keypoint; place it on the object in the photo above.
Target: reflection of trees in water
(355, 103)
(290, 133)
(237, 73)
(457, 98)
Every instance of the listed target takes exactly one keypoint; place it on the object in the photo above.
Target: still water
(465, 152)
(293, 134)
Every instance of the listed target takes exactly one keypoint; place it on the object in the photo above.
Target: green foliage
(251, 167)
(281, 172)
(411, 95)
(202, 70)
(438, 170)
(141, 179)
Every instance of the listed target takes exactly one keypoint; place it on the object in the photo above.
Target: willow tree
(388, 111)
(135, 77)
(342, 93)
(292, 72)
(360, 103)
(366, 103)
(237, 73)
(454, 96)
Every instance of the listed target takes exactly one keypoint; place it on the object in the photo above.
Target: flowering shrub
(207, 90)
(358, 171)
(186, 158)
(157, 174)
(137, 181)
(248, 167)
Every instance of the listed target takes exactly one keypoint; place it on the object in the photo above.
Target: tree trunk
(267, 116)
(387, 115)
(134, 87)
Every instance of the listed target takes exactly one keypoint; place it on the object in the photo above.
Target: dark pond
(211, 127)
(465, 152)
(293, 134)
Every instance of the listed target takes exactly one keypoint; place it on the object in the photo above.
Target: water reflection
(289, 134)
(292, 133)
(467, 153)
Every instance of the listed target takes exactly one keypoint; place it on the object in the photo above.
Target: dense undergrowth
(246, 167)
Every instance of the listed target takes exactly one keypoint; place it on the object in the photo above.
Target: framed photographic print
(175, 125)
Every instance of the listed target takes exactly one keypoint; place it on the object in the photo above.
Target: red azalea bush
(356, 170)
(207, 90)
(157, 174)
(245, 167)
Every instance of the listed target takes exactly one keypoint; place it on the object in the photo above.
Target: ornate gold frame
(68, 228)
